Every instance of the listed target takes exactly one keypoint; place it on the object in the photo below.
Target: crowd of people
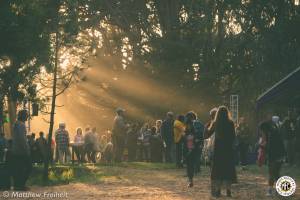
(183, 140)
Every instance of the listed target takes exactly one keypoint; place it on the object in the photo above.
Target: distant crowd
(183, 140)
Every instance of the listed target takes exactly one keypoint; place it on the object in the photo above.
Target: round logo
(286, 186)
(5, 194)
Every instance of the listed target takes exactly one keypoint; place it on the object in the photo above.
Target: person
(139, 144)
(262, 143)
(102, 145)
(119, 133)
(33, 148)
(199, 134)
(179, 128)
(156, 146)
(89, 144)
(146, 142)
(274, 151)
(209, 136)
(62, 141)
(190, 143)
(3, 146)
(78, 145)
(21, 164)
(223, 167)
(289, 136)
(95, 141)
(41, 144)
(108, 152)
(242, 132)
(131, 142)
(168, 136)
(158, 124)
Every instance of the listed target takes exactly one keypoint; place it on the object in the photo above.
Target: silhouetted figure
(289, 136)
(199, 141)
(95, 142)
(156, 146)
(89, 144)
(223, 167)
(79, 145)
(275, 152)
(33, 148)
(119, 134)
(108, 152)
(167, 133)
(132, 142)
(209, 136)
(146, 143)
(139, 145)
(179, 132)
(41, 144)
(190, 143)
(20, 160)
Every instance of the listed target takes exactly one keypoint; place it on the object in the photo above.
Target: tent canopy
(288, 88)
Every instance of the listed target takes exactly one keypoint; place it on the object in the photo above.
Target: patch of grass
(89, 173)
(60, 175)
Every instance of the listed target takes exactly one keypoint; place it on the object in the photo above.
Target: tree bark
(52, 113)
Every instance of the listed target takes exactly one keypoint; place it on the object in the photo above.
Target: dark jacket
(288, 129)
(19, 141)
(167, 131)
(275, 147)
(223, 167)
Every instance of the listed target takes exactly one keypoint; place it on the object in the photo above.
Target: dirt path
(159, 184)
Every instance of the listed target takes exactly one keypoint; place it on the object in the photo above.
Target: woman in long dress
(223, 167)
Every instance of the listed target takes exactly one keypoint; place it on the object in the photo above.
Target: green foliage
(240, 46)
(209, 48)
(25, 44)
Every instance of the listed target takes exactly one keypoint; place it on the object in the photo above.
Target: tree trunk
(12, 112)
(52, 113)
